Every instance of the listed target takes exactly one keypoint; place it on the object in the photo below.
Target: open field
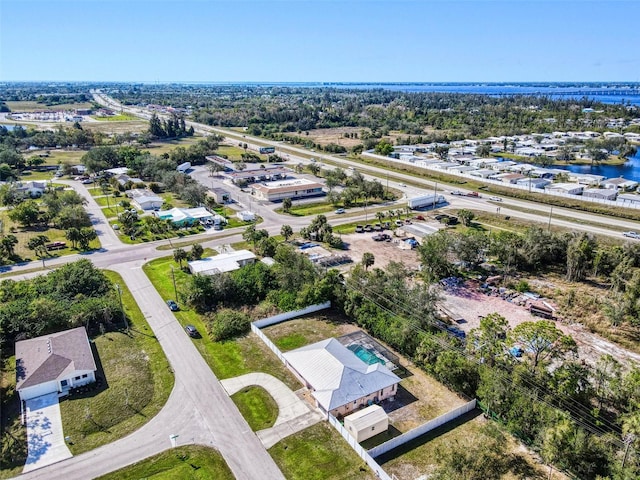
(123, 117)
(133, 126)
(325, 136)
(257, 407)
(188, 462)
(319, 453)
(228, 358)
(234, 153)
(137, 383)
(25, 234)
(421, 456)
(165, 146)
(33, 106)
(56, 157)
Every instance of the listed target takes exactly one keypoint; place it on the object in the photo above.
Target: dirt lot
(470, 304)
(383, 252)
(324, 136)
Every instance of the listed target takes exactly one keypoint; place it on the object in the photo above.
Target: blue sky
(319, 40)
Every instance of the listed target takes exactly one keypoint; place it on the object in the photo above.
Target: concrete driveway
(45, 438)
(293, 413)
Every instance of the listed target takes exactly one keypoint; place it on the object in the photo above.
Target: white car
(495, 199)
(631, 234)
(402, 184)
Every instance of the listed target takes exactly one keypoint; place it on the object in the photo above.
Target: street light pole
(173, 277)
(124, 317)
(549, 225)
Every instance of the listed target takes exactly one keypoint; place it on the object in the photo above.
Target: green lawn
(229, 358)
(24, 234)
(123, 117)
(317, 208)
(319, 453)
(306, 330)
(192, 462)
(165, 146)
(31, 106)
(257, 407)
(138, 379)
(234, 153)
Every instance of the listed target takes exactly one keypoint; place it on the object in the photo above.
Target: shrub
(522, 286)
(227, 324)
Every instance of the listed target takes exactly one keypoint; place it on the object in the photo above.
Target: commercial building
(266, 174)
(225, 262)
(220, 195)
(189, 216)
(292, 188)
(340, 381)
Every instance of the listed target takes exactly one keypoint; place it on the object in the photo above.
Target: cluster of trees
(274, 111)
(356, 187)
(572, 414)
(577, 256)
(172, 127)
(58, 209)
(293, 282)
(73, 295)
(320, 230)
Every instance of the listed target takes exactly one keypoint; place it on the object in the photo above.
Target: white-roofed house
(600, 193)
(145, 199)
(568, 188)
(619, 184)
(225, 262)
(189, 216)
(339, 381)
(54, 363)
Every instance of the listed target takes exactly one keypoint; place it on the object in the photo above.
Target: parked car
(87, 181)
(377, 227)
(359, 229)
(368, 228)
(192, 331)
(173, 306)
(399, 223)
(631, 234)
(340, 210)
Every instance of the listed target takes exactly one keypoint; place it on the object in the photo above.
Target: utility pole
(628, 440)
(124, 317)
(173, 277)
(435, 194)
(549, 225)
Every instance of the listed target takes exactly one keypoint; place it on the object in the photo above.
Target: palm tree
(73, 235)
(287, 232)
(380, 216)
(179, 255)
(367, 260)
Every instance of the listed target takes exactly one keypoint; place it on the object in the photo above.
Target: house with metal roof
(600, 193)
(340, 381)
(291, 188)
(54, 363)
(225, 262)
(145, 199)
(619, 184)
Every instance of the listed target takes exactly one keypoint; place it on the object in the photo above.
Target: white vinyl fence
(268, 343)
(362, 453)
(281, 317)
(422, 429)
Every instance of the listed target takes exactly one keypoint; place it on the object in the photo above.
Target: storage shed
(367, 422)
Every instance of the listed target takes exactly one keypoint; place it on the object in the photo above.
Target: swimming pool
(366, 355)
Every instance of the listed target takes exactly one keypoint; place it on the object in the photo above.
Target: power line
(580, 417)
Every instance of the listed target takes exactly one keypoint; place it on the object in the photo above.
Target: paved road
(199, 410)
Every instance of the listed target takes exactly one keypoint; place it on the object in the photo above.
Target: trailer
(425, 201)
(183, 167)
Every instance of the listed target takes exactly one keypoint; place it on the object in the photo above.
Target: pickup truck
(473, 194)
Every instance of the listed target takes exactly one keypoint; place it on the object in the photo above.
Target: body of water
(630, 170)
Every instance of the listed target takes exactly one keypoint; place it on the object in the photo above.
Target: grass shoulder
(318, 453)
(257, 407)
(227, 359)
(138, 381)
(191, 461)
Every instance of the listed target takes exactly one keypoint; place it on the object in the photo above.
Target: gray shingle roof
(49, 357)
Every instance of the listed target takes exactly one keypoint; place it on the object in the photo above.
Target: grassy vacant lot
(33, 106)
(227, 359)
(138, 383)
(24, 234)
(421, 457)
(165, 146)
(132, 126)
(317, 208)
(308, 329)
(319, 453)
(123, 117)
(234, 153)
(57, 157)
(257, 407)
(188, 462)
